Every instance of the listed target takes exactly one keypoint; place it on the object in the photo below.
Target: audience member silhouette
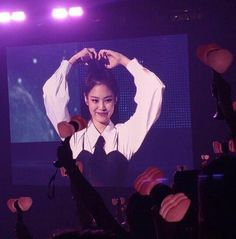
(152, 206)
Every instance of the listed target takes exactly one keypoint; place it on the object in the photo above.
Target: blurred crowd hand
(228, 147)
(145, 182)
(24, 204)
(234, 106)
(65, 129)
(220, 60)
(217, 147)
(232, 143)
(174, 207)
(78, 163)
(205, 158)
(216, 57)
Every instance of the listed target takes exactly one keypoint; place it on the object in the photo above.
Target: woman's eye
(94, 101)
(108, 100)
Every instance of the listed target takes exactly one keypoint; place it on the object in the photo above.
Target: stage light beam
(18, 16)
(76, 11)
(59, 13)
(5, 17)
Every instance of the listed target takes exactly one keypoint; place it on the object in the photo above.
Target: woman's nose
(102, 106)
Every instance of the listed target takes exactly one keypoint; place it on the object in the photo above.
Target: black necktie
(99, 152)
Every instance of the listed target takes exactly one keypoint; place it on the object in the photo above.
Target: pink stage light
(18, 16)
(59, 13)
(5, 17)
(76, 11)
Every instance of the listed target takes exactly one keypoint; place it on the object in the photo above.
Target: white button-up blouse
(125, 137)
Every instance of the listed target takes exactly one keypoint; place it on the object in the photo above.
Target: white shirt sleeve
(56, 95)
(149, 94)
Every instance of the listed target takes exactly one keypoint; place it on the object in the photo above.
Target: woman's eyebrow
(109, 96)
(97, 97)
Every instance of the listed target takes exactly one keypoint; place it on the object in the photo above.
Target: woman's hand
(84, 54)
(114, 58)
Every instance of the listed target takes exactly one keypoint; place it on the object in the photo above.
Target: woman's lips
(102, 113)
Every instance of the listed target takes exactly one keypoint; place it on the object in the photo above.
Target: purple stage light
(59, 13)
(5, 17)
(18, 16)
(76, 11)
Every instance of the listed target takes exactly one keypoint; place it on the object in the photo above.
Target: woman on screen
(100, 96)
(119, 141)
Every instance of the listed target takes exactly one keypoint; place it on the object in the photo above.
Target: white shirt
(130, 134)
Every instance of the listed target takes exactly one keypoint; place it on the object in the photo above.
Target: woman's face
(101, 102)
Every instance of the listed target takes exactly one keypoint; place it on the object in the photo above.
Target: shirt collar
(93, 133)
